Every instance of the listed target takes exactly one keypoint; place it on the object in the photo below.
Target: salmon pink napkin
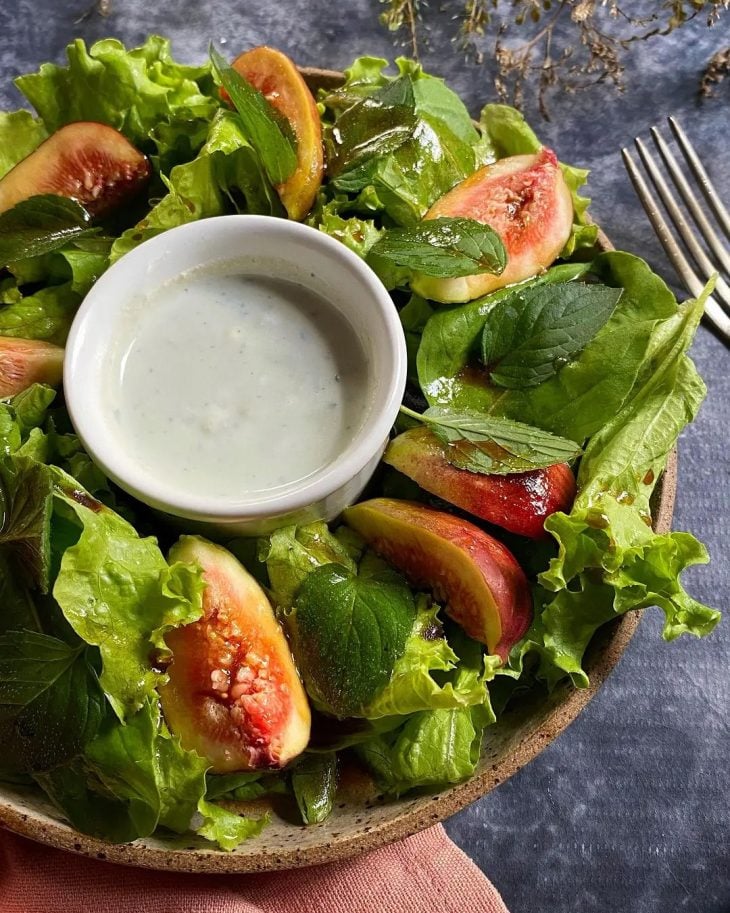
(422, 874)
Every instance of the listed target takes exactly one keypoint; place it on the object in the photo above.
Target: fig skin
(519, 502)
(280, 82)
(525, 199)
(234, 694)
(85, 161)
(479, 580)
(24, 362)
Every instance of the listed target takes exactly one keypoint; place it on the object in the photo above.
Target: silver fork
(694, 276)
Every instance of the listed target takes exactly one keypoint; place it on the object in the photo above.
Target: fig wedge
(233, 694)
(525, 199)
(479, 580)
(88, 162)
(24, 362)
(277, 78)
(519, 502)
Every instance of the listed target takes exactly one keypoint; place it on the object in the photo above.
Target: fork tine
(713, 311)
(703, 178)
(691, 201)
(722, 290)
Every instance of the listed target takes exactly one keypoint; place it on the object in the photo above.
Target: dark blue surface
(628, 811)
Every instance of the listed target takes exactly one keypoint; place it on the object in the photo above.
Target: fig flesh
(24, 362)
(279, 81)
(479, 580)
(233, 694)
(519, 502)
(85, 161)
(525, 199)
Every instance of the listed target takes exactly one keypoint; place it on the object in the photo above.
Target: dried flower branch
(550, 44)
(715, 71)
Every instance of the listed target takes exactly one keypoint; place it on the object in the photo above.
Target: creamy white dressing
(228, 384)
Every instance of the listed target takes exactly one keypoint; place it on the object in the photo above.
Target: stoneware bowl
(362, 819)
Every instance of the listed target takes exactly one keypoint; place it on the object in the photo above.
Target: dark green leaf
(88, 805)
(26, 490)
(17, 609)
(349, 632)
(375, 126)
(261, 124)
(445, 247)
(314, 783)
(493, 445)
(529, 336)
(50, 701)
(39, 225)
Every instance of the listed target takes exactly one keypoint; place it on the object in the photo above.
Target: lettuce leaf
(413, 687)
(22, 414)
(293, 552)
(134, 777)
(140, 92)
(226, 176)
(226, 828)
(510, 134)
(118, 593)
(434, 747)
(45, 314)
(20, 134)
(610, 561)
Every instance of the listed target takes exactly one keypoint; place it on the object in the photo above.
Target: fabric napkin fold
(426, 873)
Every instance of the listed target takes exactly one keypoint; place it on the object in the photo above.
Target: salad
(147, 682)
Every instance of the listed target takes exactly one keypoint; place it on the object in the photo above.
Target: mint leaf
(493, 445)
(40, 225)
(50, 701)
(445, 247)
(529, 336)
(261, 123)
(314, 784)
(349, 633)
(371, 128)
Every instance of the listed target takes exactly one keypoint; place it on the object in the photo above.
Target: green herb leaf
(374, 127)
(529, 336)
(50, 701)
(445, 247)
(493, 445)
(262, 125)
(40, 225)
(26, 490)
(349, 633)
(314, 784)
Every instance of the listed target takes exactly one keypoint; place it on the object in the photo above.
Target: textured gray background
(628, 810)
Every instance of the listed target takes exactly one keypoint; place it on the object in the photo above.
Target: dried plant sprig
(715, 71)
(550, 44)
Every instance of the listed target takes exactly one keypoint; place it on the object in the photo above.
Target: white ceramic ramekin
(275, 247)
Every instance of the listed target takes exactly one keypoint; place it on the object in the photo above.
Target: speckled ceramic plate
(362, 819)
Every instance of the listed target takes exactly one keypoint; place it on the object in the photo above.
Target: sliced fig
(88, 162)
(24, 362)
(479, 580)
(519, 502)
(526, 201)
(278, 79)
(233, 694)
